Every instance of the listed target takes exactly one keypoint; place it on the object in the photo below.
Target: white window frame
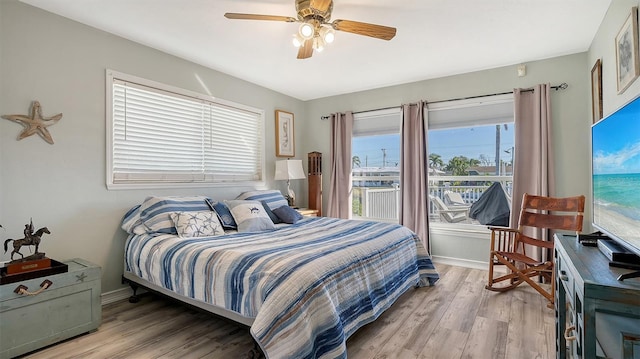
(158, 180)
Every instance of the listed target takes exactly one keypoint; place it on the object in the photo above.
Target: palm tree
(355, 161)
(458, 165)
(435, 161)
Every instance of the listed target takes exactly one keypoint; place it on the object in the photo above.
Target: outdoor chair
(450, 214)
(508, 246)
(454, 199)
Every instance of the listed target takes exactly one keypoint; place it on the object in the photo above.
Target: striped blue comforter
(309, 286)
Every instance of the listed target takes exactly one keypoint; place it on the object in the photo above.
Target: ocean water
(619, 193)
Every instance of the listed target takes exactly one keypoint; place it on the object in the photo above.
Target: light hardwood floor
(457, 318)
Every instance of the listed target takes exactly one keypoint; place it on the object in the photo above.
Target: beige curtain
(339, 202)
(414, 194)
(533, 159)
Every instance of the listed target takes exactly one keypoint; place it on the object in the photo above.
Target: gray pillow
(250, 216)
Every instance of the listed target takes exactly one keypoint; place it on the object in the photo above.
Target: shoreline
(619, 225)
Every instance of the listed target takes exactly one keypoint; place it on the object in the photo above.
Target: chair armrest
(503, 239)
(454, 210)
(502, 229)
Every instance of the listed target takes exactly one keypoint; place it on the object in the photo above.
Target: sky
(449, 143)
(616, 141)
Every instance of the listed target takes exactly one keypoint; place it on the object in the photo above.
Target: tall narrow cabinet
(315, 181)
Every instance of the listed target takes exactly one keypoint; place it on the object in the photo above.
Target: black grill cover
(492, 208)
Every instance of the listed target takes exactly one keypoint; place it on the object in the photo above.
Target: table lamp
(288, 170)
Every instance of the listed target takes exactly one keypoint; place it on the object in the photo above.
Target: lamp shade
(289, 169)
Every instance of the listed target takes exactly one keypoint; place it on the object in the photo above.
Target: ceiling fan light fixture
(297, 40)
(318, 44)
(316, 30)
(328, 34)
(306, 31)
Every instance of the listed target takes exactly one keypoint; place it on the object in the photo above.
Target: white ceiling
(435, 38)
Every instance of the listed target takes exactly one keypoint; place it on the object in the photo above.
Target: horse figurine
(28, 240)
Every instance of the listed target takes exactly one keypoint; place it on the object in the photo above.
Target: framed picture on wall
(285, 142)
(596, 91)
(627, 63)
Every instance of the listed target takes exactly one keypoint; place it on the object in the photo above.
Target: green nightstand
(68, 307)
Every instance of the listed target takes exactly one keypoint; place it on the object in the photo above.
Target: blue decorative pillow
(270, 213)
(273, 198)
(288, 214)
(250, 216)
(197, 224)
(224, 214)
(155, 212)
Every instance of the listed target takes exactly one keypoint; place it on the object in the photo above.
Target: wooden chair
(508, 244)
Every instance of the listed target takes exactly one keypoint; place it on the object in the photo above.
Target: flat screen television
(615, 148)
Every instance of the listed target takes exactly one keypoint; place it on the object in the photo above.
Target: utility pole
(510, 151)
(497, 150)
(384, 157)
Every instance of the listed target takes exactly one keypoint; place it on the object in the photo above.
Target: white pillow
(250, 216)
(197, 224)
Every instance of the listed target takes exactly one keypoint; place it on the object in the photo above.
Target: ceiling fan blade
(306, 50)
(363, 28)
(237, 16)
(321, 5)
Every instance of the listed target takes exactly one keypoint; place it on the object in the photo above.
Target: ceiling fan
(315, 30)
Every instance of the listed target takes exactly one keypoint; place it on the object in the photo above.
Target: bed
(302, 288)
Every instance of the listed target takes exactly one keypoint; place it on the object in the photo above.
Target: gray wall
(603, 48)
(62, 64)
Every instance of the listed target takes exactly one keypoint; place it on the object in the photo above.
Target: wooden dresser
(596, 315)
(68, 307)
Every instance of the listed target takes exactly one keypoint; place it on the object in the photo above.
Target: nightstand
(307, 212)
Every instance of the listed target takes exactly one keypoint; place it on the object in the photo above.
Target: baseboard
(115, 295)
(119, 294)
(467, 263)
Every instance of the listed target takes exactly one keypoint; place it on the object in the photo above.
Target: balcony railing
(381, 202)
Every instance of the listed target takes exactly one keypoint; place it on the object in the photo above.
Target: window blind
(161, 136)
(377, 122)
(490, 110)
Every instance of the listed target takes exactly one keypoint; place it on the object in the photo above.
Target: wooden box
(55, 268)
(68, 307)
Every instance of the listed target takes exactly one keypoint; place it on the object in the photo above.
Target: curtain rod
(562, 86)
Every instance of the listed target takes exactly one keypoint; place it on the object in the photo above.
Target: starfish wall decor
(35, 123)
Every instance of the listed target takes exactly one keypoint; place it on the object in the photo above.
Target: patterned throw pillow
(270, 213)
(132, 223)
(197, 224)
(155, 212)
(250, 216)
(224, 214)
(272, 197)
